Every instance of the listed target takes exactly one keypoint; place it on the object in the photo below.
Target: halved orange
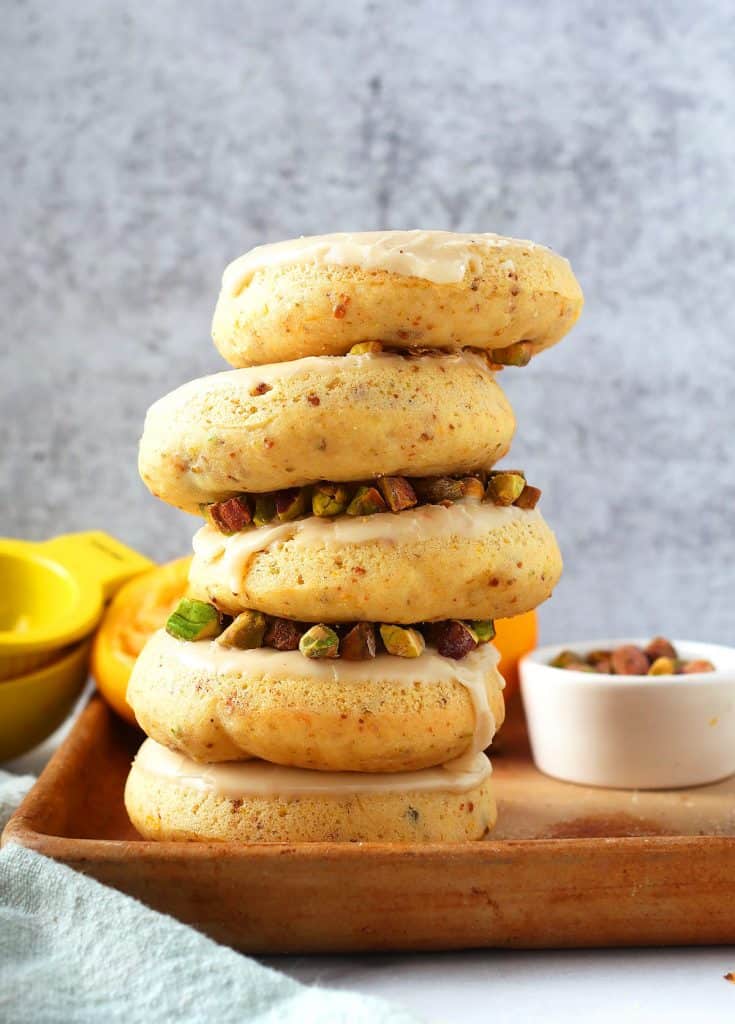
(514, 638)
(138, 609)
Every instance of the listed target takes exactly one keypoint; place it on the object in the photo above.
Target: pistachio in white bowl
(631, 731)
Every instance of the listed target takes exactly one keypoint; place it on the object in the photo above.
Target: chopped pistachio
(402, 641)
(283, 635)
(435, 489)
(505, 488)
(366, 502)
(484, 630)
(454, 639)
(319, 642)
(245, 632)
(660, 647)
(516, 472)
(565, 658)
(230, 516)
(265, 509)
(700, 665)
(359, 643)
(290, 504)
(629, 660)
(363, 347)
(194, 620)
(398, 492)
(601, 655)
(329, 499)
(600, 660)
(472, 488)
(664, 666)
(529, 497)
(518, 354)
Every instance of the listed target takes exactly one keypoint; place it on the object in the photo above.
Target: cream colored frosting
(235, 780)
(468, 518)
(443, 257)
(476, 671)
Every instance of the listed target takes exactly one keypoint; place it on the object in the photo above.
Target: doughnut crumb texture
(341, 419)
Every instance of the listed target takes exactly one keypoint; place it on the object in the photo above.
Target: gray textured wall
(150, 143)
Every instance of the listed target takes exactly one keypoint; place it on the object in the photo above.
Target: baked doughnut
(328, 418)
(169, 797)
(429, 289)
(470, 560)
(380, 715)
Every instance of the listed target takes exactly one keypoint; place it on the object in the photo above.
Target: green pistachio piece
(472, 488)
(565, 658)
(329, 499)
(194, 620)
(364, 347)
(402, 641)
(484, 630)
(359, 643)
(245, 632)
(436, 489)
(319, 642)
(290, 504)
(265, 509)
(230, 516)
(518, 354)
(398, 492)
(366, 501)
(505, 488)
(528, 498)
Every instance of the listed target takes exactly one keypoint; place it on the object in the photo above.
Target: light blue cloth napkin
(73, 951)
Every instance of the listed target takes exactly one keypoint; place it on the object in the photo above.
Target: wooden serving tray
(566, 866)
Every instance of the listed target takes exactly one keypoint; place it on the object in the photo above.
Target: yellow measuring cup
(53, 593)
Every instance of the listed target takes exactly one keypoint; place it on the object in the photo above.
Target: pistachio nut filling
(360, 641)
(501, 487)
(518, 354)
(194, 620)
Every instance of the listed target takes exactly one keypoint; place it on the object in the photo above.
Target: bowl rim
(539, 658)
(69, 657)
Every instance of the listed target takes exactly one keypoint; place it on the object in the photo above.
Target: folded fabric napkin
(73, 951)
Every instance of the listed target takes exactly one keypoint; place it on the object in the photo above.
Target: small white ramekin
(631, 732)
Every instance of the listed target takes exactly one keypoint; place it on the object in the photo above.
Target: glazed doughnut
(428, 289)
(470, 560)
(338, 418)
(169, 797)
(385, 714)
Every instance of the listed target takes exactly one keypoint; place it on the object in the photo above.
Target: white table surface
(495, 987)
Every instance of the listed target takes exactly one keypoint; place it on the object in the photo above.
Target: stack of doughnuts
(330, 675)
